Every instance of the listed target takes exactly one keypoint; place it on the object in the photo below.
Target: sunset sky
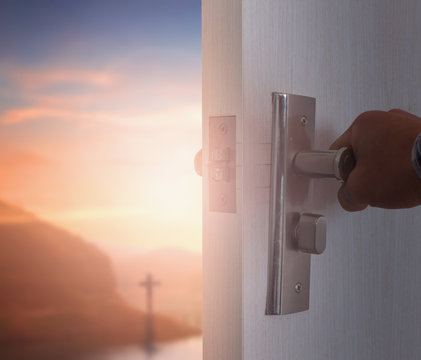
(100, 117)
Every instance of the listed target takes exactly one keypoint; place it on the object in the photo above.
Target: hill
(57, 289)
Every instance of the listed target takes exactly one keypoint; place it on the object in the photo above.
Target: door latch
(294, 232)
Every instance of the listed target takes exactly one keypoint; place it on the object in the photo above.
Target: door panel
(351, 56)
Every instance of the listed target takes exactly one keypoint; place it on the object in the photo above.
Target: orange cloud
(19, 115)
(36, 79)
(17, 158)
(15, 219)
(186, 115)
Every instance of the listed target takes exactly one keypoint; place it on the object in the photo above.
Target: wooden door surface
(365, 292)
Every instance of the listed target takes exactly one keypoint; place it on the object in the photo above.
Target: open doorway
(100, 118)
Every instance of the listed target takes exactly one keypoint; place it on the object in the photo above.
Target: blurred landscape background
(58, 291)
(100, 118)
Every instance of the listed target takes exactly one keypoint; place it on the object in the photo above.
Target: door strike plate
(222, 164)
(289, 224)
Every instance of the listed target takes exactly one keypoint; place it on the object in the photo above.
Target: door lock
(294, 233)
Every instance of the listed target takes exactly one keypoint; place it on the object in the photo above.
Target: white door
(365, 291)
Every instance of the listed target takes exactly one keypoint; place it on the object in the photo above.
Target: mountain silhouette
(55, 288)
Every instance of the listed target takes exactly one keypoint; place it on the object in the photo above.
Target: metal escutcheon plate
(288, 268)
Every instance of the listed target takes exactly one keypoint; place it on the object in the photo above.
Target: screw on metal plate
(298, 287)
(304, 120)
(223, 128)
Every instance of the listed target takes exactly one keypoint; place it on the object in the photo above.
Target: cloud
(88, 214)
(185, 115)
(33, 79)
(19, 115)
(12, 158)
(127, 94)
(16, 219)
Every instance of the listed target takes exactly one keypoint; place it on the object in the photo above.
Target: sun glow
(120, 173)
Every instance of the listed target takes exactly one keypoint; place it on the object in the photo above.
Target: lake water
(190, 349)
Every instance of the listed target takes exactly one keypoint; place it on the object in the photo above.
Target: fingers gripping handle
(326, 164)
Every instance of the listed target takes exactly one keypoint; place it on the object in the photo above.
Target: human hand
(383, 175)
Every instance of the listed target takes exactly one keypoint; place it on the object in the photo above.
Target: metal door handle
(198, 167)
(326, 164)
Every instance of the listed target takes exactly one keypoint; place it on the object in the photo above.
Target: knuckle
(367, 116)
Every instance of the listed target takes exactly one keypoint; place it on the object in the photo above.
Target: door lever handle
(310, 233)
(198, 167)
(326, 164)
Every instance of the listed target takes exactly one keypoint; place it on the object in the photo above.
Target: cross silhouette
(149, 284)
